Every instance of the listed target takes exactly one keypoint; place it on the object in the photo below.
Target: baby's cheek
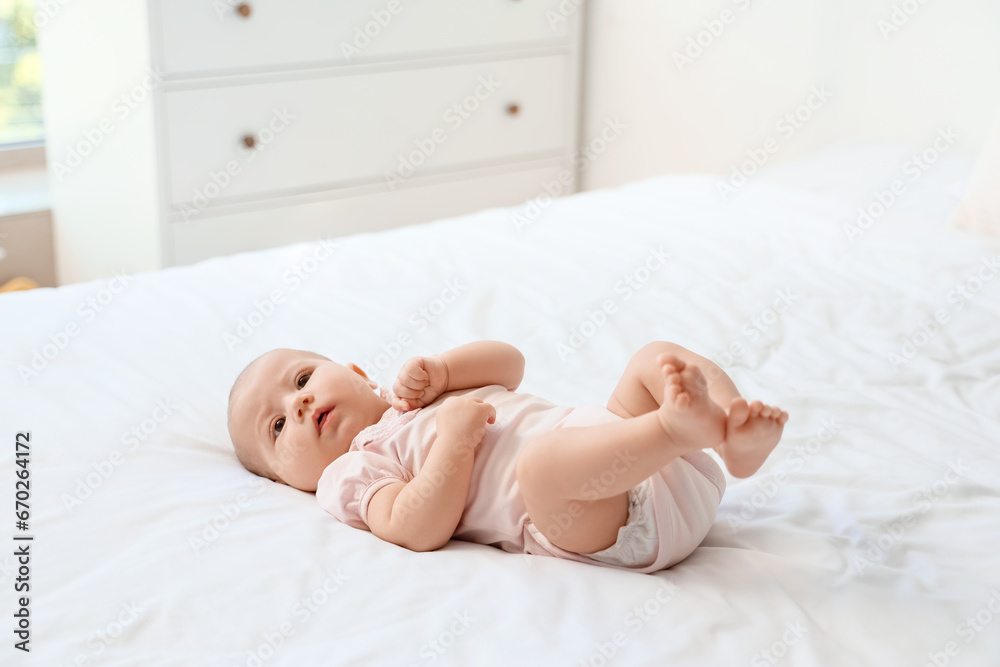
(289, 454)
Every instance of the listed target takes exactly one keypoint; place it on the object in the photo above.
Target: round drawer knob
(249, 141)
(243, 9)
(513, 109)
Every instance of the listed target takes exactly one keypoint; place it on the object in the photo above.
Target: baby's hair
(249, 459)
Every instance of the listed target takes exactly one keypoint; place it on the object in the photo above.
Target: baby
(453, 452)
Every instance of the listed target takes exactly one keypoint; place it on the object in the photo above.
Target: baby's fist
(420, 381)
(463, 419)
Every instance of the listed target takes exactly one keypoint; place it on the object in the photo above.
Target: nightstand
(26, 227)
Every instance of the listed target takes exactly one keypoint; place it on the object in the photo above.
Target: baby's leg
(640, 388)
(564, 474)
(752, 430)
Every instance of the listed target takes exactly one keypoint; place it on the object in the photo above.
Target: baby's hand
(420, 381)
(462, 420)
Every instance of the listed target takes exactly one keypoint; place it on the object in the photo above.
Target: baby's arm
(400, 514)
(478, 364)
(483, 363)
(422, 514)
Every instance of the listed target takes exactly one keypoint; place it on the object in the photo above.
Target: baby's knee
(644, 366)
(650, 351)
(647, 355)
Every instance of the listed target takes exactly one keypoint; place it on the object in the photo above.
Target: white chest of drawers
(182, 129)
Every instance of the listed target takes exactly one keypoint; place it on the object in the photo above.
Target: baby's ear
(357, 369)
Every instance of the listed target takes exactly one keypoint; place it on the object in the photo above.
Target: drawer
(267, 228)
(318, 133)
(203, 36)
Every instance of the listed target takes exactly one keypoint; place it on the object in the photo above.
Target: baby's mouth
(324, 417)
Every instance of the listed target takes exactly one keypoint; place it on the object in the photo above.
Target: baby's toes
(673, 389)
(755, 409)
(679, 397)
(670, 374)
(771, 412)
(739, 412)
(666, 359)
(693, 375)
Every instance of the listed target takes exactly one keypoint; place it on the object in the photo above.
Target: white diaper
(637, 542)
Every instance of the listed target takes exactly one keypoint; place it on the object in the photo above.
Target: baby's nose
(301, 401)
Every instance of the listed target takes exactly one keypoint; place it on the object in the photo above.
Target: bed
(870, 536)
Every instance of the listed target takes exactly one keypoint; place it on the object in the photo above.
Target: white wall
(940, 68)
(98, 111)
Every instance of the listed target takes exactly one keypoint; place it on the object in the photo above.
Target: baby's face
(298, 411)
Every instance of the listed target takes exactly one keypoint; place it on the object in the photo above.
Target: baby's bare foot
(752, 431)
(690, 418)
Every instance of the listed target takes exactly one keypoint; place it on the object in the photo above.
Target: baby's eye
(303, 379)
(278, 425)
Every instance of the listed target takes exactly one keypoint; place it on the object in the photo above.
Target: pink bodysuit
(684, 495)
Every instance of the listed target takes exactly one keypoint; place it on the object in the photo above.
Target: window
(20, 76)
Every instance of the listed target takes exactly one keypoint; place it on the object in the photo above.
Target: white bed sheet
(854, 545)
